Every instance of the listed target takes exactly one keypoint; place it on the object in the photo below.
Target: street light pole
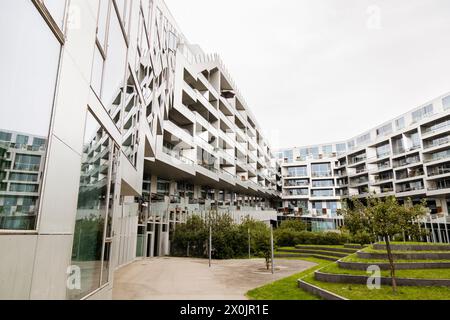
(210, 243)
(271, 244)
(249, 250)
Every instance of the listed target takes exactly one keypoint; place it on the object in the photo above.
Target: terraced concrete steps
(315, 251)
(413, 247)
(328, 248)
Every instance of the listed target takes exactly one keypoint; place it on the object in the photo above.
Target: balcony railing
(437, 127)
(356, 160)
(410, 189)
(409, 175)
(321, 174)
(406, 162)
(177, 155)
(438, 172)
(437, 142)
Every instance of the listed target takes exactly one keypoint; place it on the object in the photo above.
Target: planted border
(400, 266)
(358, 279)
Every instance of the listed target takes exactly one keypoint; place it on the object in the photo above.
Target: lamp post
(271, 244)
(249, 249)
(210, 243)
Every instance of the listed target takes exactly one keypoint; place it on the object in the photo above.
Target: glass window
(97, 72)
(29, 66)
(327, 150)
(92, 210)
(322, 183)
(363, 139)
(21, 139)
(102, 22)
(322, 193)
(422, 113)
(383, 150)
(400, 123)
(321, 170)
(446, 103)
(288, 156)
(5, 136)
(384, 130)
(341, 148)
(115, 63)
(297, 171)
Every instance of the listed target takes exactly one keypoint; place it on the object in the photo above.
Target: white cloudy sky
(316, 71)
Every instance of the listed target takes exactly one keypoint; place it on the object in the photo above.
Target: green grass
(414, 243)
(287, 288)
(355, 258)
(361, 292)
(371, 250)
(415, 274)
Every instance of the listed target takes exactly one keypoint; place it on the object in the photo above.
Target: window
(322, 183)
(23, 177)
(383, 150)
(422, 113)
(27, 162)
(384, 130)
(90, 249)
(363, 139)
(5, 136)
(327, 150)
(288, 156)
(297, 192)
(297, 171)
(102, 22)
(351, 144)
(29, 64)
(18, 187)
(400, 123)
(321, 170)
(341, 148)
(322, 193)
(446, 103)
(21, 139)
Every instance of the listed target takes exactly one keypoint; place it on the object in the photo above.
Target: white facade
(408, 156)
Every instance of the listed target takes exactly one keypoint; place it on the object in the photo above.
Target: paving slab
(169, 278)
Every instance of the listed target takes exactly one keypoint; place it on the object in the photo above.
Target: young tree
(384, 218)
(259, 239)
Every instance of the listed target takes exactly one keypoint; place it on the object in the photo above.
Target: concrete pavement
(187, 278)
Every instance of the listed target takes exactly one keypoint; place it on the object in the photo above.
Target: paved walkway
(187, 278)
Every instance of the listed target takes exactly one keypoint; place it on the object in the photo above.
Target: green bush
(229, 240)
(289, 238)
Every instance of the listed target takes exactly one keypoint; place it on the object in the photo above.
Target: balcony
(356, 160)
(437, 142)
(321, 174)
(438, 171)
(177, 155)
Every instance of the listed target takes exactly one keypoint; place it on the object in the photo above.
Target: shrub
(289, 238)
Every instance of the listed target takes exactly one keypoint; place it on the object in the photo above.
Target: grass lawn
(361, 292)
(371, 250)
(287, 288)
(419, 274)
(355, 258)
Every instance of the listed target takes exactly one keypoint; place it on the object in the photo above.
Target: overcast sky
(317, 71)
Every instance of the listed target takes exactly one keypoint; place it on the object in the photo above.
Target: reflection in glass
(28, 84)
(92, 210)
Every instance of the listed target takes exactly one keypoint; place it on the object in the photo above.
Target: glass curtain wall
(93, 225)
(29, 67)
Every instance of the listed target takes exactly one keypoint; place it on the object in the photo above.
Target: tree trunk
(391, 263)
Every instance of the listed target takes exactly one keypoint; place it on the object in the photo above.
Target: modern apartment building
(408, 156)
(114, 129)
